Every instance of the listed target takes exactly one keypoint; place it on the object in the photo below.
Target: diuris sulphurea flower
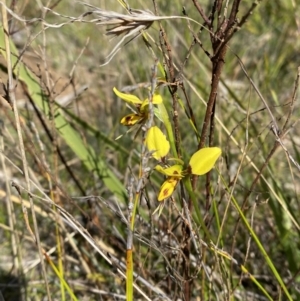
(141, 107)
(200, 163)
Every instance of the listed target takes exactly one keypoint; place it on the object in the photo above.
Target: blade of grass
(60, 276)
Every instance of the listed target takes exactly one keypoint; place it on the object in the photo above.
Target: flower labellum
(167, 188)
(131, 119)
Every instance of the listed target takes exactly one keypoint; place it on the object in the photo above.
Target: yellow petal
(174, 171)
(156, 141)
(204, 160)
(155, 100)
(132, 99)
(167, 188)
(131, 119)
(145, 106)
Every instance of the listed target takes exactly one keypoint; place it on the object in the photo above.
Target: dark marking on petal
(165, 191)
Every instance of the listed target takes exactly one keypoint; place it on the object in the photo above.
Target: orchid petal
(130, 98)
(204, 160)
(157, 99)
(156, 141)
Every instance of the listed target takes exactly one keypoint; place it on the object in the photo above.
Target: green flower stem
(164, 117)
(188, 186)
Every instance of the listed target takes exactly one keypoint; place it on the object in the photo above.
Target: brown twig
(201, 12)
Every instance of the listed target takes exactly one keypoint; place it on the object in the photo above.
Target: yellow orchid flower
(200, 163)
(141, 107)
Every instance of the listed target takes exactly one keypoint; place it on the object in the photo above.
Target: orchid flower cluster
(200, 162)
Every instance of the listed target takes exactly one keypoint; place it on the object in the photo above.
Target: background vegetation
(71, 197)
